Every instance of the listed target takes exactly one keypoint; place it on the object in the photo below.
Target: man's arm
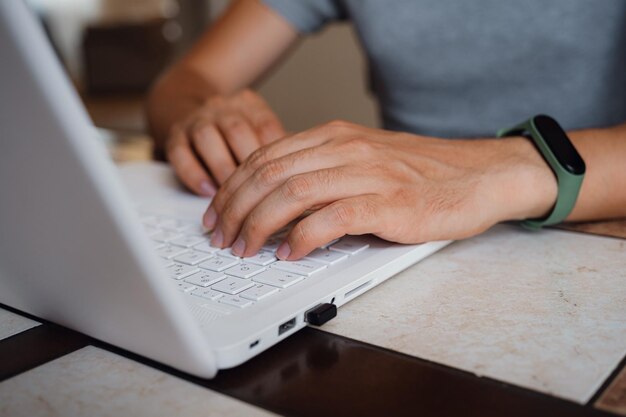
(402, 187)
(603, 193)
(199, 112)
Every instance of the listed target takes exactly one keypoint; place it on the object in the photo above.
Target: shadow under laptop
(314, 373)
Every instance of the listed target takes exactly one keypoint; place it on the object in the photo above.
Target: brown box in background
(126, 58)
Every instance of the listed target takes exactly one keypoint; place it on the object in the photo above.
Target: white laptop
(119, 253)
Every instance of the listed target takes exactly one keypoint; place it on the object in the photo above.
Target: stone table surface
(97, 383)
(542, 310)
(12, 324)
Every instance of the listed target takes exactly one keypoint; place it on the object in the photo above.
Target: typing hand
(398, 186)
(218, 136)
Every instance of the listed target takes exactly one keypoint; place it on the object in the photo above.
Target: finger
(239, 135)
(211, 147)
(352, 216)
(186, 166)
(288, 145)
(267, 179)
(267, 126)
(297, 195)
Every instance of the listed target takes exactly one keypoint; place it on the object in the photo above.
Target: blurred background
(114, 50)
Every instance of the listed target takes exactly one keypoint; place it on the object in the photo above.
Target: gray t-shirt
(454, 68)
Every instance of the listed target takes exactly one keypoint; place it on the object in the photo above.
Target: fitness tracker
(562, 157)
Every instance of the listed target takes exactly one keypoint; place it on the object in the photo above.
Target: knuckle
(215, 101)
(343, 214)
(367, 209)
(247, 94)
(300, 234)
(269, 173)
(338, 125)
(296, 188)
(229, 215)
(201, 131)
(257, 159)
(360, 145)
(171, 149)
(253, 227)
(267, 125)
(233, 124)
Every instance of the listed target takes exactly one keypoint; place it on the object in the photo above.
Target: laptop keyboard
(217, 276)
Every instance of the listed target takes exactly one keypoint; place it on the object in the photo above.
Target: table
(50, 370)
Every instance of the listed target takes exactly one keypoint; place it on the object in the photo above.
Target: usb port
(286, 326)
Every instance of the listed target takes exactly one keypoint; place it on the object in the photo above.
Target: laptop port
(286, 326)
(255, 343)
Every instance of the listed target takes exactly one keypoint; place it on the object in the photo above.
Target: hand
(398, 186)
(217, 137)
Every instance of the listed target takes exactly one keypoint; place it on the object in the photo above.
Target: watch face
(559, 143)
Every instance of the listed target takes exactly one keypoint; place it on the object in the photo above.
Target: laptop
(119, 253)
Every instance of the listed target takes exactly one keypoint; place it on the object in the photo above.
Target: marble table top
(96, 383)
(543, 310)
(12, 324)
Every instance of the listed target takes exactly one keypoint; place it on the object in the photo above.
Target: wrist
(526, 187)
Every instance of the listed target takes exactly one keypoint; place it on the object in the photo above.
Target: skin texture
(398, 186)
(341, 178)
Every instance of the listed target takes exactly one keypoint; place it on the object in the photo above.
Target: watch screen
(558, 142)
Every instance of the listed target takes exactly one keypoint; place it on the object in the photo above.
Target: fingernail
(217, 239)
(283, 251)
(239, 247)
(207, 188)
(210, 217)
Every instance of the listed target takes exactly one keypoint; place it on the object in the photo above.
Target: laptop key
(180, 271)
(277, 278)
(272, 244)
(219, 263)
(174, 224)
(166, 262)
(236, 301)
(226, 252)
(207, 293)
(169, 252)
(325, 256)
(232, 285)
(187, 241)
(244, 270)
(205, 247)
(205, 278)
(259, 292)
(262, 258)
(165, 236)
(194, 229)
(302, 267)
(192, 257)
(185, 286)
(350, 245)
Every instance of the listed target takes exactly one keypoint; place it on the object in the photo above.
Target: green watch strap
(560, 154)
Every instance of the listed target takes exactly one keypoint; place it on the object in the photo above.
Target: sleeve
(308, 16)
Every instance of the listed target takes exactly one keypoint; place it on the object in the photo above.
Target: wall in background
(323, 79)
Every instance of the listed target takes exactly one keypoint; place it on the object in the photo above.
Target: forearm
(525, 186)
(603, 193)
